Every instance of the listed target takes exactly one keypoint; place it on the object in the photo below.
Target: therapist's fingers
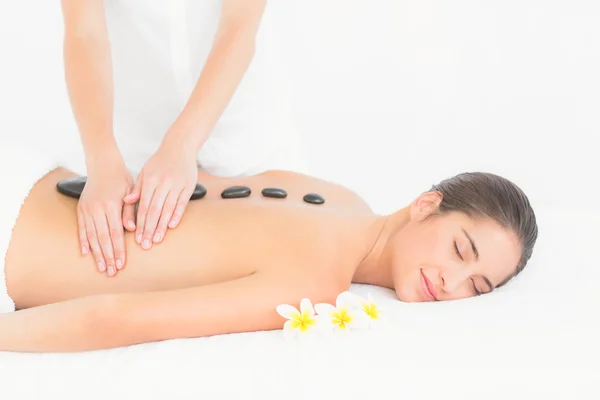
(143, 207)
(134, 196)
(105, 240)
(182, 202)
(165, 217)
(129, 217)
(83, 240)
(117, 235)
(153, 216)
(92, 237)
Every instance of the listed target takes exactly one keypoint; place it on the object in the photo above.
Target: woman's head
(466, 236)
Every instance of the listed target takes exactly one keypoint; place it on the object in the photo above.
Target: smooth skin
(231, 262)
(167, 180)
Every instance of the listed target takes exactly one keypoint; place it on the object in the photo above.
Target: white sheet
(537, 336)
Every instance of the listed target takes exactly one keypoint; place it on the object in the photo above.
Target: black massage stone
(314, 198)
(274, 193)
(73, 187)
(236, 192)
(199, 192)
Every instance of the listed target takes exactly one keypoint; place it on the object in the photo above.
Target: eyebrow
(476, 252)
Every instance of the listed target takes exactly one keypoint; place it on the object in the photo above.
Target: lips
(427, 287)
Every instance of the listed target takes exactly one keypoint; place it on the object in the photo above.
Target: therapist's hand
(163, 190)
(101, 213)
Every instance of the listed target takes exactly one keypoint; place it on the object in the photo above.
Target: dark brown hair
(479, 194)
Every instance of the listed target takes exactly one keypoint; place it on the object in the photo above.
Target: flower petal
(324, 323)
(305, 329)
(287, 311)
(288, 331)
(343, 328)
(306, 307)
(360, 321)
(347, 299)
(324, 309)
(289, 326)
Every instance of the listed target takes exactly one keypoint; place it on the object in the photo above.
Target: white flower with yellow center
(298, 322)
(370, 309)
(344, 316)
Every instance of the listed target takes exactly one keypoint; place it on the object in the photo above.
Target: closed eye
(477, 292)
(457, 251)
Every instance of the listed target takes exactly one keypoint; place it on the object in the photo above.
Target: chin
(406, 295)
(408, 288)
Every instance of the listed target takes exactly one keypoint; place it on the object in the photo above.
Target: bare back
(218, 240)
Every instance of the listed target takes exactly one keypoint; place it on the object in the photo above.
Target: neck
(376, 266)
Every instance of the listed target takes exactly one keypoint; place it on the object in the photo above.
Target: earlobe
(425, 205)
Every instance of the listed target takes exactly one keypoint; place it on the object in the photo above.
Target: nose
(453, 276)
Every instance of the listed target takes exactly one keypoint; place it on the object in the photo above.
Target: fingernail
(101, 266)
(146, 244)
(173, 223)
(131, 224)
(138, 238)
(84, 250)
(119, 264)
(157, 238)
(111, 271)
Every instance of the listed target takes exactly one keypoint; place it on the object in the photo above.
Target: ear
(425, 205)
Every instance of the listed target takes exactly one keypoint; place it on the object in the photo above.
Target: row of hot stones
(73, 187)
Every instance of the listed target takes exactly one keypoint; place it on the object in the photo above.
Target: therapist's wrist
(184, 138)
(102, 151)
(181, 143)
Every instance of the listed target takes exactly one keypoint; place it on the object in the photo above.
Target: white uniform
(159, 48)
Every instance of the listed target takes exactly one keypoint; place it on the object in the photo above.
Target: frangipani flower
(344, 316)
(371, 309)
(298, 322)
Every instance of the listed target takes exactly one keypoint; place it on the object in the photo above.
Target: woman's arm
(88, 74)
(230, 56)
(107, 321)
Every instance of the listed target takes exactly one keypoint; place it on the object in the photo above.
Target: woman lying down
(231, 262)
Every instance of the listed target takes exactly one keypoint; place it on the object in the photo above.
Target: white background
(392, 96)
(395, 95)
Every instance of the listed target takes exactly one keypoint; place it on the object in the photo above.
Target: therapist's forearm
(88, 74)
(227, 63)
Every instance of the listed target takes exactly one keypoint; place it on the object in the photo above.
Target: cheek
(416, 248)
(427, 246)
(405, 250)
(464, 292)
(408, 286)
